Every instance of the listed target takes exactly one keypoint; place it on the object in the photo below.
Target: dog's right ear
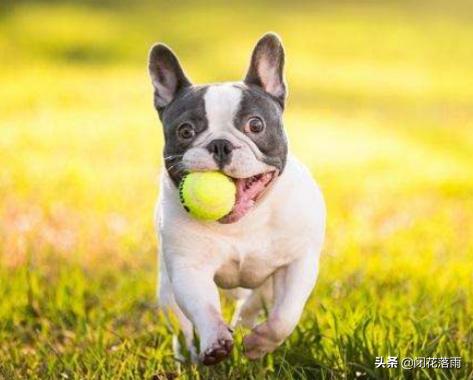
(167, 75)
(267, 66)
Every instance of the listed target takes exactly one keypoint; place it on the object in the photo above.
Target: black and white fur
(268, 257)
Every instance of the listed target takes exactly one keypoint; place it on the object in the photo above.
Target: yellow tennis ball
(207, 195)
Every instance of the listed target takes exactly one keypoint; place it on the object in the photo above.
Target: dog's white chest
(251, 260)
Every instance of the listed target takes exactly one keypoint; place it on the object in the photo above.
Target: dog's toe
(217, 352)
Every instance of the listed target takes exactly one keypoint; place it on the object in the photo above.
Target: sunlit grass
(380, 109)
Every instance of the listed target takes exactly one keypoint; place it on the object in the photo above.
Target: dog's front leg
(197, 296)
(292, 286)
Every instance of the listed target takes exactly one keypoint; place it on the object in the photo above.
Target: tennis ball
(207, 195)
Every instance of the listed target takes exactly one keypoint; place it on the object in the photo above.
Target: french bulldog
(265, 252)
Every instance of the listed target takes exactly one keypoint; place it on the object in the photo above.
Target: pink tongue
(247, 192)
(245, 197)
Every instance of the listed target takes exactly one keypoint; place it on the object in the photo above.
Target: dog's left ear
(167, 75)
(266, 67)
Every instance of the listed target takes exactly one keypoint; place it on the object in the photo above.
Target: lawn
(380, 109)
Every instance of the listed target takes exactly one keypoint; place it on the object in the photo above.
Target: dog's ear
(266, 67)
(167, 75)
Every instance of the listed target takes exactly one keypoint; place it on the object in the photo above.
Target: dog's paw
(217, 352)
(220, 348)
(263, 339)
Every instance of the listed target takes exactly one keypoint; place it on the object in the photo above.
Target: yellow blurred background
(380, 108)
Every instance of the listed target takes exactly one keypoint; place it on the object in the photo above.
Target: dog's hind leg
(251, 303)
(168, 305)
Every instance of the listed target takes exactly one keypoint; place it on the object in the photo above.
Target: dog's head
(232, 127)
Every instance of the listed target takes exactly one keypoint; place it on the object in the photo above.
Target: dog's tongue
(247, 192)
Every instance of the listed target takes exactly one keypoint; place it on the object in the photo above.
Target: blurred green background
(380, 108)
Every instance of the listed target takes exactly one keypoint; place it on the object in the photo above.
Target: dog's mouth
(248, 192)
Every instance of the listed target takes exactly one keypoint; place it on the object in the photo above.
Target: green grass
(382, 91)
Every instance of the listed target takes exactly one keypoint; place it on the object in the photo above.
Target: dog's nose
(221, 150)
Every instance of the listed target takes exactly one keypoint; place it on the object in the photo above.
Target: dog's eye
(254, 125)
(185, 131)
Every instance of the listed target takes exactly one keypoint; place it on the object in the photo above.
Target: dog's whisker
(173, 157)
(172, 167)
(177, 166)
